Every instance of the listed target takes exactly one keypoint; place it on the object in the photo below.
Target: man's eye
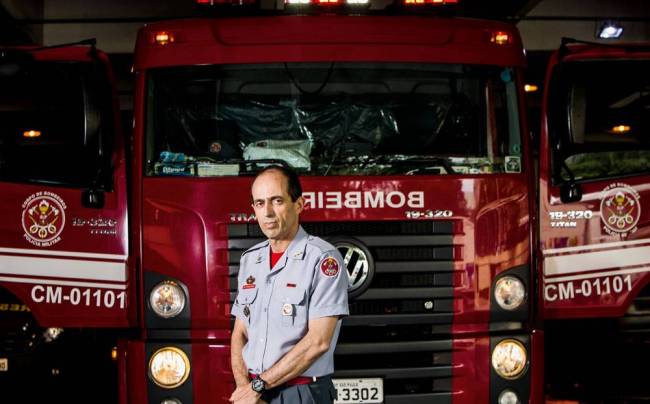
(277, 201)
(259, 204)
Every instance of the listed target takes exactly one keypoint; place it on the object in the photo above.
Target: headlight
(509, 292)
(508, 397)
(167, 299)
(509, 359)
(169, 367)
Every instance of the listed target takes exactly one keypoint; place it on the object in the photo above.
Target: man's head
(277, 201)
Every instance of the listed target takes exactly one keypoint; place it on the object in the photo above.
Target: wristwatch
(258, 385)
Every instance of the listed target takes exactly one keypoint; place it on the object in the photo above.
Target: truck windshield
(333, 119)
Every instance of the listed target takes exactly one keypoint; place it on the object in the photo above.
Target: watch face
(258, 385)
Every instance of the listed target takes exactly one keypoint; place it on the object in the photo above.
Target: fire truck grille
(399, 326)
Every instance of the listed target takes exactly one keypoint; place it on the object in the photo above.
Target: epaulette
(319, 243)
(256, 247)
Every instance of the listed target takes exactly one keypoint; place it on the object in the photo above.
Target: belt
(295, 381)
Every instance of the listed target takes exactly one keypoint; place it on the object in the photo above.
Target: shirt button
(265, 310)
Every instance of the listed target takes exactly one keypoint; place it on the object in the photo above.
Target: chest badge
(250, 283)
(287, 309)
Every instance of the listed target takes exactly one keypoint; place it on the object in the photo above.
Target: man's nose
(268, 210)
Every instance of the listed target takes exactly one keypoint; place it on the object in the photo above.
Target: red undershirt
(275, 257)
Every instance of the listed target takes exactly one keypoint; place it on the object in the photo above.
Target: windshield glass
(333, 119)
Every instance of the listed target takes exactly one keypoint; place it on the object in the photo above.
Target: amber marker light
(530, 88)
(32, 133)
(621, 129)
(114, 353)
(164, 38)
(501, 38)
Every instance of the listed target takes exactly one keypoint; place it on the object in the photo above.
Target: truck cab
(595, 221)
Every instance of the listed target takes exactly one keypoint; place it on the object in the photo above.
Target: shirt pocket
(245, 300)
(293, 309)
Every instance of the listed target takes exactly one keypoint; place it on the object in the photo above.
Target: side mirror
(570, 192)
(92, 198)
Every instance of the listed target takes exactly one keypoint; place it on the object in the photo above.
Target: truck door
(63, 218)
(595, 182)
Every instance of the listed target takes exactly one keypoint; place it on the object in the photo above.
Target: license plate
(359, 390)
(4, 365)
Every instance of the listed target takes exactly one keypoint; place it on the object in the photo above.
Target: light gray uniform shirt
(309, 281)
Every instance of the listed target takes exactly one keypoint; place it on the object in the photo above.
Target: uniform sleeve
(329, 293)
(237, 310)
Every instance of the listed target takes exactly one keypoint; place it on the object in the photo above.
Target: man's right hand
(244, 394)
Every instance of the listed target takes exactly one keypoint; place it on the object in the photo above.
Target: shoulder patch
(329, 266)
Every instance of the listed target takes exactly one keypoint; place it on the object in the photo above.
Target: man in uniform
(292, 293)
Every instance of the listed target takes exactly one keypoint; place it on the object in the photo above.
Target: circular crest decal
(43, 218)
(329, 266)
(620, 209)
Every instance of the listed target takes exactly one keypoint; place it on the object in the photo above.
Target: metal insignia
(287, 309)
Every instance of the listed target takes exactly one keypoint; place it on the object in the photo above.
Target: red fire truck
(64, 282)
(409, 133)
(594, 222)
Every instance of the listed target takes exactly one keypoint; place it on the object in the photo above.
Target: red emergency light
(429, 2)
(226, 2)
(326, 2)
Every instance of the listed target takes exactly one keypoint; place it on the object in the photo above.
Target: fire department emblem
(43, 218)
(620, 209)
(329, 266)
(250, 283)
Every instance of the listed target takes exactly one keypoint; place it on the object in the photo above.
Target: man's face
(276, 213)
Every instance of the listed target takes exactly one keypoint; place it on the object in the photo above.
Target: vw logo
(359, 263)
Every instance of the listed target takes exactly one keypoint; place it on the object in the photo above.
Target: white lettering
(53, 295)
(40, 289)
(566, 291)
(333, 200)
(416, 199)
(401, 199)
(309, 199)
(365, 200)
(550, 293)
(352, 200)
(377, 202)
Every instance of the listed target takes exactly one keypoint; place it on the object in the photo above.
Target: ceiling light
(609, 30)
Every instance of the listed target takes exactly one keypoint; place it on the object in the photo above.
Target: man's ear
(300, 204)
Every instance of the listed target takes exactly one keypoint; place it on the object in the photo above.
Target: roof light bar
(426, 2)
(226, 2)
(326, 2)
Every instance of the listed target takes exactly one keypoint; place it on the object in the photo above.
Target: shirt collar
(296, 249)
